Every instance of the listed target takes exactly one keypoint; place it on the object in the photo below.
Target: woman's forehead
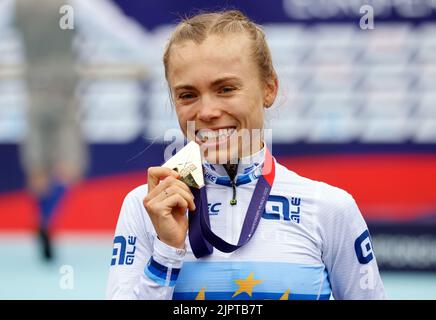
(216, 54)
(214, 41)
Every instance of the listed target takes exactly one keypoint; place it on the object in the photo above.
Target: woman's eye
(185, 96)
(227, 89)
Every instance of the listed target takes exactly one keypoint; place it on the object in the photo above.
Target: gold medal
(187, 162)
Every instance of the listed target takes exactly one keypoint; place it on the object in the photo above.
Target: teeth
(205, 135)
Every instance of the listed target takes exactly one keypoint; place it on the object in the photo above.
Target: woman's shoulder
(138, 192)
(328, 203)
(320, 190)
(133, 209)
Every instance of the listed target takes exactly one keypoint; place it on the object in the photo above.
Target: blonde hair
(198, 27)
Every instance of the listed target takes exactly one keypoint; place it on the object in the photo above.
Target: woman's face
(216, 84)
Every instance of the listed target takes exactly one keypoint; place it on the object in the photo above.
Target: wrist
(167, 254)
(176, 245)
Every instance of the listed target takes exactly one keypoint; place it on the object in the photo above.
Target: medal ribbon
(203, 239)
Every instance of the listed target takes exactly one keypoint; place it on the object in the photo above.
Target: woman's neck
(243, 165)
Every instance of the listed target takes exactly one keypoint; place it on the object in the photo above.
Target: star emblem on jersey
(201, 295)
(246, 285)
(285, 296)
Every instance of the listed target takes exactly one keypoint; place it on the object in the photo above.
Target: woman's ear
(271, 88)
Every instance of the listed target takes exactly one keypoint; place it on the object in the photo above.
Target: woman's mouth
(214, 136)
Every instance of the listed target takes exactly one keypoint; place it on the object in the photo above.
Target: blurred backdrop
(356, 109)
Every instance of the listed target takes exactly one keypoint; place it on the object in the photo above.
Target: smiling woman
(219, 90)
(215, 85)
(287, 237)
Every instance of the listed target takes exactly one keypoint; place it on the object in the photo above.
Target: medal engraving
(187, 162)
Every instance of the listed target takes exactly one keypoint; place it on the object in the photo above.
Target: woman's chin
(214, 156)
(221, 151)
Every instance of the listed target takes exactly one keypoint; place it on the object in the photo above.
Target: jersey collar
(249, 169)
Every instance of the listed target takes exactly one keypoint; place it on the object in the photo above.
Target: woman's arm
(142, 267)
(347, 249)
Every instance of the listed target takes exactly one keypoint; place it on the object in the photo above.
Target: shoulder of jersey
(138, 193)
(323, 189)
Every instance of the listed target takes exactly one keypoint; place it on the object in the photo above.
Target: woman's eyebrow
(220, 81)
(184, 87)
(215, 83)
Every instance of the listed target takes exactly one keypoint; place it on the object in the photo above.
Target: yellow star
(201, 295)
(285, 296)
(246, 285)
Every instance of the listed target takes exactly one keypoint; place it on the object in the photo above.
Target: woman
(310, 241)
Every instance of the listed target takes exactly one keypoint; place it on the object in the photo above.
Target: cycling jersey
(311, 243)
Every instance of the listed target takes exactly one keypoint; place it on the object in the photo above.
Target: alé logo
(277, 208)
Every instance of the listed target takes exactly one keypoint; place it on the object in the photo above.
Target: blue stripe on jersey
(157, 279)
(250, 174)
(158, 273)
(218, 278)
(159, 270)
(255, 296)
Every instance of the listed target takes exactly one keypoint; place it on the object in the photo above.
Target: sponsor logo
(363, 248)
(279, 207)
(124, 250)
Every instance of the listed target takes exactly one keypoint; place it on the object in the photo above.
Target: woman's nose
(209, 109)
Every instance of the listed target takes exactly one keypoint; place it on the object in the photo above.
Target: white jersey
(312, 242)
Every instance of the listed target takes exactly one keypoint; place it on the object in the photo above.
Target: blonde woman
(251, 232)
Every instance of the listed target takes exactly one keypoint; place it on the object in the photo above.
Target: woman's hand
(166, 204)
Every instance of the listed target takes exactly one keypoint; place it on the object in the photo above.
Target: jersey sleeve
(347, 249)
(142, 266)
